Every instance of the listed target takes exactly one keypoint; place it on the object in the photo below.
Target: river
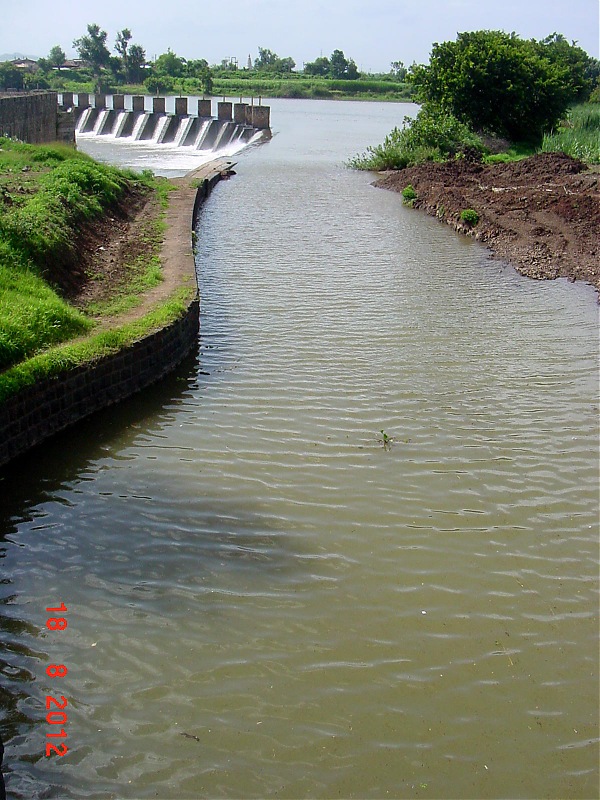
(350, 548)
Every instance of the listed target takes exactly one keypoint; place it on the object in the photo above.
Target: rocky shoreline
(541, 214)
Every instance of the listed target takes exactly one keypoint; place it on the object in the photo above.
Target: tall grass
(579, 134)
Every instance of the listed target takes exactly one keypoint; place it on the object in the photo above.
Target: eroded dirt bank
(542, 214)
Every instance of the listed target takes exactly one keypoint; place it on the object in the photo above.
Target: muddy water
(263, 600)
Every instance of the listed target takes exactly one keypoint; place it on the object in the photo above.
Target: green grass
(66, 356)
(579, 135)
(46, 192)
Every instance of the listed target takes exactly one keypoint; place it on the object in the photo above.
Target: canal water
(350, 548)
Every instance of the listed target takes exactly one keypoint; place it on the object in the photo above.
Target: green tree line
(127, 65)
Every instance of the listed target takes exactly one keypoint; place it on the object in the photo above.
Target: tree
(338, 64)
(10, 77)
(398, 70)
(266, 58)
(135, 61)
(200, 70)
(495, 82)
(159, 83)
(558, 51)
(285, 64)
(121, 45)
(268, 61)
(57, 56)
(352, 72)
(320, 66)
(92, 48)
(170, 64)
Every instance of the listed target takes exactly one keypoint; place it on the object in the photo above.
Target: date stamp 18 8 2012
(55, 706)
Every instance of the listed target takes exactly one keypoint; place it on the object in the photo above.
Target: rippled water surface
(263, 600)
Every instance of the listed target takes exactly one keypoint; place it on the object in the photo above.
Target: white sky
(372, 32)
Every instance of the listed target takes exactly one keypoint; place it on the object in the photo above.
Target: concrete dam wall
(145, 119)
(35, 117)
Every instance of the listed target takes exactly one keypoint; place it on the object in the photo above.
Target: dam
(191, 123)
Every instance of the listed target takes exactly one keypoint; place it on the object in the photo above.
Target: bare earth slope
(542, 214)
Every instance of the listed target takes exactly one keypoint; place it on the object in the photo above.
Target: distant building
(26, 64)
(73, 63)
(249, 66)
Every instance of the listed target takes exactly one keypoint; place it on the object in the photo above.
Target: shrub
(433, 135)
(469, 216)
(409, 195)
(496, 82)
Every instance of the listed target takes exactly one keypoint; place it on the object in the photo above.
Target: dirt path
(542, 214)
(108, 245)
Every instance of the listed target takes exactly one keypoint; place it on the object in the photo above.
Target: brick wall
(39, 411)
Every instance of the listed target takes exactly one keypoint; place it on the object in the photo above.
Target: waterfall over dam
(191, 124)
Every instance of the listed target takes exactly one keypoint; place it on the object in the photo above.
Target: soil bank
(541, 214)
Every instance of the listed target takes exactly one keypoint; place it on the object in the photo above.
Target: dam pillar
(158, 105)
(239, 113)
(224, 110)
(119, 102)
(67, 99)
(181, 106)
(99, 101)
(138, 102)
(204, 108)
(83, 100)
(248, 113)
(261, 117)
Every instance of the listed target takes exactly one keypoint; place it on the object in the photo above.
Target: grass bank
(51, 199)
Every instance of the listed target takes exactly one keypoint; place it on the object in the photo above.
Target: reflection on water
(263, 601)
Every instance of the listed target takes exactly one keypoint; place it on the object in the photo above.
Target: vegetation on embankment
(578, 135)
(299, 86)
(493, 87)
(434, 135)
(52, 202)
(55, 360)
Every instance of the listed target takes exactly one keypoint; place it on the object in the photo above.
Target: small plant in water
(470, 216)
(409, 195)
(385, 440)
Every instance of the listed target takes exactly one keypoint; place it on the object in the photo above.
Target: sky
(372, 32)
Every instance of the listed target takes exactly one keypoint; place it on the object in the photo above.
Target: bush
(409, 195)
(469, 216)
(433, 135)
(501, 84)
